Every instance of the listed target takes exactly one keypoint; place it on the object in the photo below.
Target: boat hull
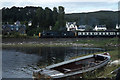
(72, 68)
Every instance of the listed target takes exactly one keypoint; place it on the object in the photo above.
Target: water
(20, 62)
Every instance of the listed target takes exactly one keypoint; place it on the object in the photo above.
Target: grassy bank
(101, 42)
(83, 42)
(105, 72)
(38, 45)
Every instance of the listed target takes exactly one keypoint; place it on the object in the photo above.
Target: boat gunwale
(69, 61)
(73, 60)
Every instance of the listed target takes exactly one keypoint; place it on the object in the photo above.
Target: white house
(100, 28)
(50, 27)
(71, 26)
(30, 23)
(81, 28)
(117, 26)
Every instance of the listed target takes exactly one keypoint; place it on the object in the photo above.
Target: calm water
(20, 62)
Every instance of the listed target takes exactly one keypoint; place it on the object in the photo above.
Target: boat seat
(66, 70)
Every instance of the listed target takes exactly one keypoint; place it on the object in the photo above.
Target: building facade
(71, 26)
(17, 27)
(117, 26)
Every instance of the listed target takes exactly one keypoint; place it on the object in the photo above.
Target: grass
(114, 54)
(101, 42)
(96, 42)
(35, 45)
(104, 72)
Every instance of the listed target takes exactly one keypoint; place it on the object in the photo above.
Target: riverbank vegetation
(105, 72)
(63, 42)
(101, 42)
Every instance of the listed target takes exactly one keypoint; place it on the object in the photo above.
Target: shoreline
(46, 45)
(61, 42)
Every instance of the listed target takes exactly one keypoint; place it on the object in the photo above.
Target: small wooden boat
(73, 67)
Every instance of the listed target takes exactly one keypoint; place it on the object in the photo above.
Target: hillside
(109, 18)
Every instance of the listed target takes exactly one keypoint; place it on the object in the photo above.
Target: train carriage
(98, 34)
(79, 34)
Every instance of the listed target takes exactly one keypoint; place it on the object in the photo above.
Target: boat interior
(81, 64)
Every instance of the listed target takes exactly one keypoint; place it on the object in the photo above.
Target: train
(79, 34)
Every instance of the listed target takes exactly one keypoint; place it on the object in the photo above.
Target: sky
(71, 6)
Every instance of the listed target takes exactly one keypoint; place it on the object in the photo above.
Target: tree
(40, 16)
(89, 28)
(61, 19)
(56, 27)
(55, 14)
(48, 17)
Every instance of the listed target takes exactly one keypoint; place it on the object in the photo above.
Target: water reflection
(50, 55)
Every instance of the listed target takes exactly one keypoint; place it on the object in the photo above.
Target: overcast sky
(71, 6)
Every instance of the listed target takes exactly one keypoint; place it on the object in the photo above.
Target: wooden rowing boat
(73, 67)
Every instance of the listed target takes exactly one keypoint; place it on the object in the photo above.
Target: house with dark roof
(17, 23)
(6, 29)
(81, 28)
(17, 27)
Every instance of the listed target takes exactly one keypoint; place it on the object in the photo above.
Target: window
(107, 33)
(79, 33)
(11, 28)
(111, 33)
(100, 33)
(16, 29)
(87, 33)
(90, 33)
(83, 33)
(95, 33)
(118, 33)
(103, 33)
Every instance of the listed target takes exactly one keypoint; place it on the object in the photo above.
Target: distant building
(17, 27)
(71, 26)
(6, 29)
(50, 27)
(17, 23)
(22, 29)
(117, 26)
(30, 23)
(81, 28)
(100, 28)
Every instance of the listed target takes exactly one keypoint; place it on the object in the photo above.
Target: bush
(15, 35)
